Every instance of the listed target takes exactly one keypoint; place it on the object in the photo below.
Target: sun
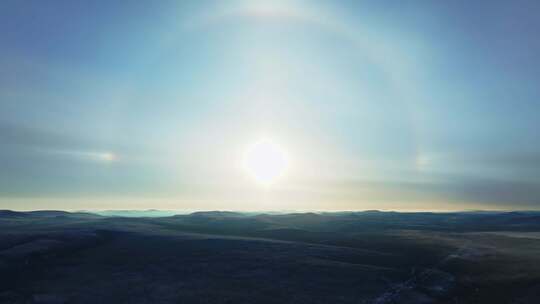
(265, 161)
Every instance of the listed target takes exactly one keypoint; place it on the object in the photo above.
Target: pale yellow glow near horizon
(265, 161)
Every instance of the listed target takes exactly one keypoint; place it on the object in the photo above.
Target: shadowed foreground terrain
(227, 257)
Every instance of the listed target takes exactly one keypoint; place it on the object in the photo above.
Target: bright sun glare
(265, 161)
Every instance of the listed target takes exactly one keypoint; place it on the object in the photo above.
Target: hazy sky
(378, 104)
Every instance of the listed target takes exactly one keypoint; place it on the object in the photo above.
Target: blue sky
(379, 104)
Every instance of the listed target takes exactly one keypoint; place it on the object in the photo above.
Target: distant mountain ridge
(44, 213)
(313, 221)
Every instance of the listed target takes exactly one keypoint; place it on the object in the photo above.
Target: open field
(225, 257)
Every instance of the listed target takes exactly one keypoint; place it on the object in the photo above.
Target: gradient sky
(402, 105)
